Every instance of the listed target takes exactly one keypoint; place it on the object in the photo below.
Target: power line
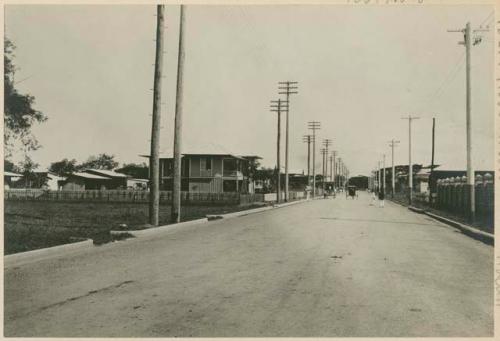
(451, 74)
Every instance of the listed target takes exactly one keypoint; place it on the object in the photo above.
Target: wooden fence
(231, 198)
(453, 197)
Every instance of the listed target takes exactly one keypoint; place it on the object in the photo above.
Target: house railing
(232, 173)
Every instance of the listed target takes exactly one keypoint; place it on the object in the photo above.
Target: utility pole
(341, 175)
(314, 125)
(277, 107)
(379, 171)
(410, 165)
(287, 88)
(154, 159)
(323, 154)
(383, 176)
(331, 168)
(308, 139)
(176, 193)
(334, 170)
(393, 144)
(431, 198)
(326, 144)
(339, 172)
(468, 42)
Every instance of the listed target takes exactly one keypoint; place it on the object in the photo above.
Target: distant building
(118, 180)
(360, 181)
(54, 182)
(81, 181)
(9, 178)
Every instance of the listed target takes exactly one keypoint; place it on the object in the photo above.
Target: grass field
(30, 225)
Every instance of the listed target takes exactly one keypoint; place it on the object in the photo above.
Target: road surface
(331, 267)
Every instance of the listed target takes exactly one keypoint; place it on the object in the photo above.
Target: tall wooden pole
(277, 107)
(154, 159)
(431, 198)
(410, 165)
(308, 158)
(176, 195)
(314, 125)
(334, 168)
(287, 88)
(470, 171)
(278, 152)
(468, 42)
(383, 177)
(393, 144)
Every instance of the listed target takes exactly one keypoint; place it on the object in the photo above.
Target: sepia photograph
(249, 170)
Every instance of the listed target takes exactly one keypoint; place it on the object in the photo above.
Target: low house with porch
(215, 172)
(9, 178)
(81, 181)
(118, 180)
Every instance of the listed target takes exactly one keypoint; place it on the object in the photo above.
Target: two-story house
(209, 173)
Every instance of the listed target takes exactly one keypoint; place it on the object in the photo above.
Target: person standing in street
(381, 197)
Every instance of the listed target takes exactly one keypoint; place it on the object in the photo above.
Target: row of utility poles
(338, 171)
(470, 39)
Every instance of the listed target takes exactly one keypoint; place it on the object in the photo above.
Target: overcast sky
(360, 69)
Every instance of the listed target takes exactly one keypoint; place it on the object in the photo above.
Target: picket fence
(131, 196)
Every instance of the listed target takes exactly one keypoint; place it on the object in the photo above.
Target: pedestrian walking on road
(374, 198)
(381, 198)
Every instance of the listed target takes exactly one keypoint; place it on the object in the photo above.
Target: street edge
(166, 228)
(485, 237)
(159, 229)
(20, 258)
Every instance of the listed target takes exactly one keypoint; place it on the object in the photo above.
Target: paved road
(320, 268)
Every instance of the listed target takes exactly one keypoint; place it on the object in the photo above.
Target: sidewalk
(466, 229)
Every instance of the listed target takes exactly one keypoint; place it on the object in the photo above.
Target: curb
(470, 231)
(255, 210)
(417, 210)
(485, 237)
(165, 228)
(159, 229)
(42, 254)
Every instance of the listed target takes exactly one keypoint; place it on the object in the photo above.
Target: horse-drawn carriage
(351, 192)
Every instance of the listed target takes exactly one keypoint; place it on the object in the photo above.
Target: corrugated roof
(12, 174)
(106, 172)
(203, 149)
(89, 176)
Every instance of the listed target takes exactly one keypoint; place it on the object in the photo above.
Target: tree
(253, 165)
(19, 114)
(101, 161)
(9, 166)
(28, 167)
(64, 167)
(135, 170)
(268, 177)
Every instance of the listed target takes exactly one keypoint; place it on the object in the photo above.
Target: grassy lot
(31, 225)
